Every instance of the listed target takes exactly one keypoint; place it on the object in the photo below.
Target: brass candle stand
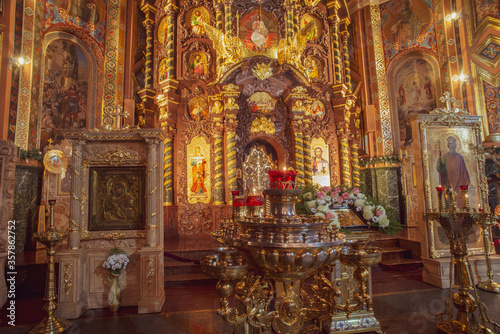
(490, 285)
(274, 265)
(51, 324)
(457, 223)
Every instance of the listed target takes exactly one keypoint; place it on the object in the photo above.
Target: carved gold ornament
(231, 88)
(150, 274)
(55, 161)
(290, 49)
(263, 124)
(117, 157)
(452, 116)
(311, 3)
(115, 235)
(299, 90)
(262, 71)
(68, 278)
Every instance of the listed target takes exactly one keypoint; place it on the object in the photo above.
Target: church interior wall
(376, 32)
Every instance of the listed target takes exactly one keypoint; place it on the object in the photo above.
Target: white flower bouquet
(116, 261)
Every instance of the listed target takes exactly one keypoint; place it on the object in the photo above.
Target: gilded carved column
(171, 11)
(76, 204)
(227, 15)
(345, 51)
(307, 157)
(146, 110)
(344, 157)
(168, 179)
(336, 45)
(149, 24)
(218, 177)
(289, 18)
(296, 17)
(219, 16)
(151, 189)
(231, 160)
(356, 180)
(299, 154)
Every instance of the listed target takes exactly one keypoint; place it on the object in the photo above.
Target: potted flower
(116, 261)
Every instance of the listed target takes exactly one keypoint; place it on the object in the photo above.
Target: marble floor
(403, 305)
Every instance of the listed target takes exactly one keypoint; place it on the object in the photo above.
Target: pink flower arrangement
(328, 199)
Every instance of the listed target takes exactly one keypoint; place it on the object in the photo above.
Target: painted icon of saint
(320, 164)
(198, 66)
(198, 111)
(119, 204)
(312, 69)
(258, 37)
(198, 163)
(452, 169)
(196, 23)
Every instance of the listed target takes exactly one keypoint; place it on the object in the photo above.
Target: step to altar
(399, 254)
(437, 271)
(182, 260)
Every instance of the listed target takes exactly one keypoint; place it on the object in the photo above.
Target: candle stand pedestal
(490, 285)
(277, 268)
(457, 224)
(50, 238)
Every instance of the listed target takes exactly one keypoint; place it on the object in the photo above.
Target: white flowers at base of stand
(116, 262)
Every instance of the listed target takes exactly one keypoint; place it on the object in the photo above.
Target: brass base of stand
(51, 325)
(489, 286)
(455, 327)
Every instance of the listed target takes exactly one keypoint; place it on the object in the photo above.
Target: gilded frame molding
(474, 31)
(472, 125)
(480, 75)
(480, 47)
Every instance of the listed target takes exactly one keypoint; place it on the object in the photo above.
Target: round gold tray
(55, 161)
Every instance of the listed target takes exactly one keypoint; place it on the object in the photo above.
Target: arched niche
(69, 85)
(415, 89)
(265, 148)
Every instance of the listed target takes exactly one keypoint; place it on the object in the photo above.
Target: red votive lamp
(440, 188)
(254, 200)
(464, 187)
(239, 201)
(235, 192)
(290, 177)
(276, 179)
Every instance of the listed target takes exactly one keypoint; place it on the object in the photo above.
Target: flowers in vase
(116, 261)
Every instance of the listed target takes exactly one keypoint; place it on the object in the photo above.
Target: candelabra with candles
(457, 222)
(51, 324)
(277, 266)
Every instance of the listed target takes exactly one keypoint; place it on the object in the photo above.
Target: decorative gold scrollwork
(150, 273)
(68, 278)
